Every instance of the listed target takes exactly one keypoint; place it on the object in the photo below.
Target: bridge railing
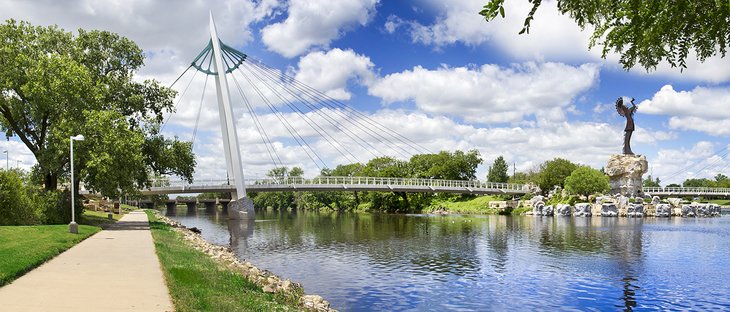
(686, 190)
(473, 184)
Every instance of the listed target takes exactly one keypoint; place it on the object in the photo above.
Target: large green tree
(446, 165)
(644, 32)
(54, 84)
(586, 181)
(553, 173)
(498, 171)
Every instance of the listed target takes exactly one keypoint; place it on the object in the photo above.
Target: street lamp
(7, 159)
(73, 227)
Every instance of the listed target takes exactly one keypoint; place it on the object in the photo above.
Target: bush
(55, 206)
(16, 204)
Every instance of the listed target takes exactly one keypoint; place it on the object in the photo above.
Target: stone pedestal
(625, 173)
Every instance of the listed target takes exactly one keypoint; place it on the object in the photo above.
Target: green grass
(721, 202)
(197, 283)
(476, 205)
(23, 248)
(98, 218)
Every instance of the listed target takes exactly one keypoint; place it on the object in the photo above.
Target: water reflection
(364, 262)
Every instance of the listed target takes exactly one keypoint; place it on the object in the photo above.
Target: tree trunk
(404, 195)
(51, 182)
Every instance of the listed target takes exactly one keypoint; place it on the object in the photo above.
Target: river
(377, 262)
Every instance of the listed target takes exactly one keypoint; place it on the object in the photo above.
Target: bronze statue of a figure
(627, 112)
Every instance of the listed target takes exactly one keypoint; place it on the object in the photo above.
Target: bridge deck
(352, 184)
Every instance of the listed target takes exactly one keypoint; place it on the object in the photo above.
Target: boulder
(715, 210)
(676, 202)
(563, 210)
(663, 210)
(688, 211)
(702, 210)
(609, 210)
(625, 173)
(635, 211)
(655, 200)
(537, 208)
(583, 210)
(548, 211)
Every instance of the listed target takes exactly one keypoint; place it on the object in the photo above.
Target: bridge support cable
(354, 137)
(312, 124)
(259, 127)
(200, 108)
(724, 151)
(174, 108)
(368, 129)
(314, 93)
(292, 131)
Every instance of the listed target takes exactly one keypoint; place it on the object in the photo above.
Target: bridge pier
(171, 208)
(210, 206)
(224, 206)
(192, 207)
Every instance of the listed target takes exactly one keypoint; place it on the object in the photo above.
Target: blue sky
(433, 71)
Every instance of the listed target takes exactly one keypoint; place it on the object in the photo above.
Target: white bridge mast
(228, 130)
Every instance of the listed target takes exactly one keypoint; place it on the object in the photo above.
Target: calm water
(363, 262)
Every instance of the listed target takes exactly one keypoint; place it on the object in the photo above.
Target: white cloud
(313, 23)
(699, 161)
(329, 72)
(702, 109)
(491, 94)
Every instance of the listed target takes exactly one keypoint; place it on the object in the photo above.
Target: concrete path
(114, 270)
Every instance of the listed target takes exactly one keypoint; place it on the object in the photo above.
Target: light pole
(73, 227)
(7, 159)
(17, 163)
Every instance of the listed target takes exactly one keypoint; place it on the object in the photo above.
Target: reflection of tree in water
(498, 233)
(444, 245)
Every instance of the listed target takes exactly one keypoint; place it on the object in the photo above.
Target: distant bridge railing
(716, 191)
(166, 186)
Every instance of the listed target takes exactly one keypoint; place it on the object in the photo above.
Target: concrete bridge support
(224, 206)
(171, 208)
(192, 207)
(210, 207)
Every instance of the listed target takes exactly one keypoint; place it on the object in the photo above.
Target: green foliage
(16, 202)
(586, 181)
(23, 248)
(445, 165)
(498, 171)
(673, 185)
(644, 32)
(649, 182)
(553, 173)
(698, 183)
(55, 85)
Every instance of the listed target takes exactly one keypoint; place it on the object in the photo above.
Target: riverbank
(206, 277)
(476, 205)
(23, 248)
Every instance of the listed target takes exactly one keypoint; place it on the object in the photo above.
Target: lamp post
(73, 227)
(7, 159)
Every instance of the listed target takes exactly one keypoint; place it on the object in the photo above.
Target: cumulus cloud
(330, 71)
(490, 93)
(701, 109)
(312, 23)
(702, 160)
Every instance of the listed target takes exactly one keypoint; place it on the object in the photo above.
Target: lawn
(98, 218)
(23, 248)
(197, 283)
(476, 205)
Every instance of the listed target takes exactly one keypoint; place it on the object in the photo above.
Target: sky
(432, 71)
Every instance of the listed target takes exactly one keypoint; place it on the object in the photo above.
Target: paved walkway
(114, 270)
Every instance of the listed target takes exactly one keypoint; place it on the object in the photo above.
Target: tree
(54, 85)
(673, 185)
(644, 32)
(296, 172)
(586, 181)
(498, 171)
(553, 173)
(698, 183)
(649, 182)
(722, 180)
(446, 165)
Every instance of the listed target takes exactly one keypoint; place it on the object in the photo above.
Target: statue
(627, 112)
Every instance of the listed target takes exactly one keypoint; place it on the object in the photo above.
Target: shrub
(16, 206)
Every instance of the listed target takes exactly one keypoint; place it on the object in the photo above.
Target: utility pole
(514, 170)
